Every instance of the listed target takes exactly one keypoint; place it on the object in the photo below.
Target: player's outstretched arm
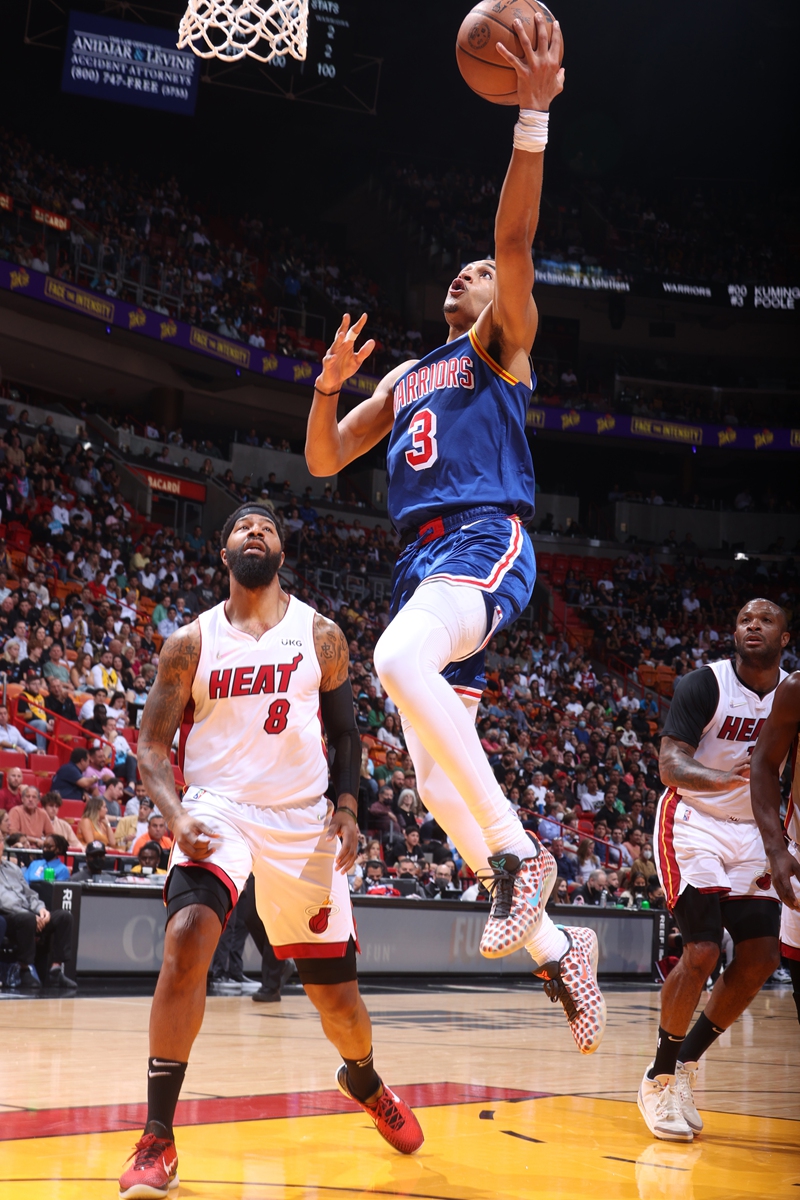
(540, 78)
(678, 768)
(774, 743)
(160, 719)
(332, 444)
(338, 718)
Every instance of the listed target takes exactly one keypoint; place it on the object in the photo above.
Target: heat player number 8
(423, 439)
(277, 716)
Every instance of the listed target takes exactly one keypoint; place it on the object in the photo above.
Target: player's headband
(248, 510)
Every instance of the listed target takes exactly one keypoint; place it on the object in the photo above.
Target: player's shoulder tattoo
(332, 651)
(180, 654)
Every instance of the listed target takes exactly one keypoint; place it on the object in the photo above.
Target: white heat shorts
(303, 902)
(790, 919)
(692, 848)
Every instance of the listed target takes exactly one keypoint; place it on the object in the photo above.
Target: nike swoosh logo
(472, 524)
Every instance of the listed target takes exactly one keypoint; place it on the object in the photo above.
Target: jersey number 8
(423, 439)
(277, 716)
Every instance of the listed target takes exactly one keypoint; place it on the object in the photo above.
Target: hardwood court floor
(509, 1108)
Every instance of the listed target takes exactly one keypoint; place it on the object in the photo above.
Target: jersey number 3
(277, 716)
(423, 439)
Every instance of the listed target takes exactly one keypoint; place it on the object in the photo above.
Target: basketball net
(234, 29)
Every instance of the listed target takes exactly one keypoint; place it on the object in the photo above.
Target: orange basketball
(478, 61)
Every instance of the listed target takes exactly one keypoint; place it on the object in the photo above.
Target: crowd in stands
(141, 239)
(716, 234)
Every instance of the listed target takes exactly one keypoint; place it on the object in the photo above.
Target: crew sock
(669, 1045)
(164, 1083)
(363, 1079)
(698, 1039)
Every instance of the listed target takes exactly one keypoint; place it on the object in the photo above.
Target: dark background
(653, 93)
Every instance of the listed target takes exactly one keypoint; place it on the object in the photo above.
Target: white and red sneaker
(154, 1170)
(520, 889)
(393, 1119)
(573, 981)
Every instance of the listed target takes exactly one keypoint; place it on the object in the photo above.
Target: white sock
(549, 943)
(443, 623)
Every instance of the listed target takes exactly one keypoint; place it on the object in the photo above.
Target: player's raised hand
(194, 838)
(342, 359)
(540, 76)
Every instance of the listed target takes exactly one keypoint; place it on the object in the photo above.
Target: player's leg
(308, 915)
(332, 987)
(570, 955)
(198, 899)
(442, 624)
(699, 918)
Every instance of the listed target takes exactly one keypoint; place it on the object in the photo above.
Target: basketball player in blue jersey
(461, 487)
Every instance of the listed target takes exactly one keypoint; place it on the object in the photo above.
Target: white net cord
(234, 29)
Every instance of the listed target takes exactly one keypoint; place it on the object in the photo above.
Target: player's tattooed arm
(162, 716)
(679, 768)
(333, 653)
(774, 744)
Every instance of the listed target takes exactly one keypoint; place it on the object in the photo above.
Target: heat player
(461, 488)
(711, 860)
(247, 682)
(777, 739)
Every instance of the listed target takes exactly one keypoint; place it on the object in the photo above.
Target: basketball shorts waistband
(437, 527)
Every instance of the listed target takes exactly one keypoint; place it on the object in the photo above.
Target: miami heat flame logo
(318, 917)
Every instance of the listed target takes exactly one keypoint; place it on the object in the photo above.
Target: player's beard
(253, 571)
(759, 657)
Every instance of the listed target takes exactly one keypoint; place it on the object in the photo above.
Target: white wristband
(530, 131)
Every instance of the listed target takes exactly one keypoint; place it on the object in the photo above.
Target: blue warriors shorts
(483, 547)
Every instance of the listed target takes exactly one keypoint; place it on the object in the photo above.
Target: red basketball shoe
(394, 1120)
(154, 1170)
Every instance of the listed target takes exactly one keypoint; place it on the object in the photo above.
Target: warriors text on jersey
(719, 715)
(252, 730)
(458, 438)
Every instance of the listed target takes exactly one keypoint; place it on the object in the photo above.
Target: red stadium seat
(70, 809)
(12, 758)
(44, 764)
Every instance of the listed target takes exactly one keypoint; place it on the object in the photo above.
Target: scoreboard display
(330, 43)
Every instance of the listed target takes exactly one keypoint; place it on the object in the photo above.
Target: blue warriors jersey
(458, 438)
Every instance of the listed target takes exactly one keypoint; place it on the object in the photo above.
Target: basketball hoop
(234, 29)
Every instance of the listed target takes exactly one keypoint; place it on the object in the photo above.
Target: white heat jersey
(727, 741)
(252, 729)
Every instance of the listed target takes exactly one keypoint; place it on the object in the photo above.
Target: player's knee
(193, 934)
(701, 957)
(391, 661)
(339, 1002)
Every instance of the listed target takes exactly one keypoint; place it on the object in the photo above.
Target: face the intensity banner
(128, 63)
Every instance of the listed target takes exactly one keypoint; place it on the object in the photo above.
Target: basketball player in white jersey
(777, 739)
(247, 682)
(711, 860)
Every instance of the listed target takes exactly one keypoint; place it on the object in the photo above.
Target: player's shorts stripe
(487, 358)
(500, 568)
(787, 824)
(790, 951)
(312, 950)
(476, 693)
(670, 871)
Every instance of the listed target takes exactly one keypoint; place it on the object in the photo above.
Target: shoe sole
(663, 1137)
(143, 1191)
